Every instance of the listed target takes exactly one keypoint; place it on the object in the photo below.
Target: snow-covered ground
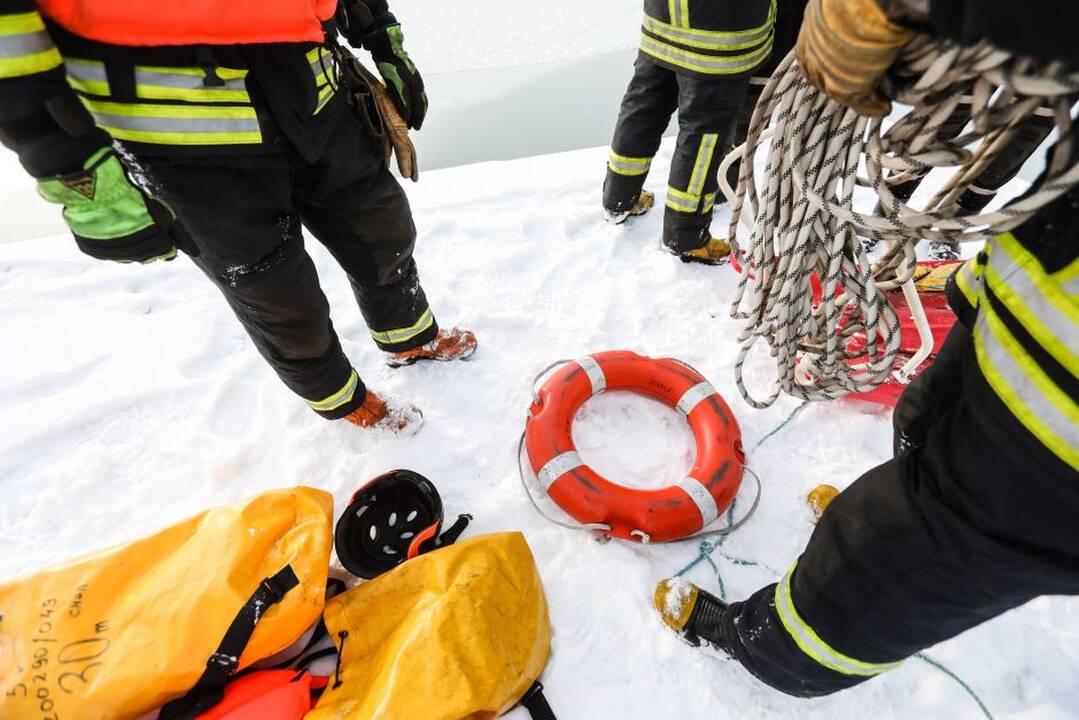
(131, 398)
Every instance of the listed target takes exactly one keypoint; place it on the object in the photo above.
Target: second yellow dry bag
(461, 632)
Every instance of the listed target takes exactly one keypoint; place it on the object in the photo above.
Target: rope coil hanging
(802, 218)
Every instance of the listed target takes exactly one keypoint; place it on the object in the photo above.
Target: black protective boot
(694, 614)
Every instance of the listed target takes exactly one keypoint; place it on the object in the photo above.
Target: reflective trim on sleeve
(25, 47)
(177, 124)
(595, 374)
(811, 644)
(339, 398)
(706, 64)
(681, 201)
(698, 493)
(188, 84)
(968, 280)
(558, 466)
(1068, 278)
(1035, 400)
(400, 335)
(1051, 316)
(623, 165)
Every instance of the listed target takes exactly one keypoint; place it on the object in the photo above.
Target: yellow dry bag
(460, 632)
(120, 632)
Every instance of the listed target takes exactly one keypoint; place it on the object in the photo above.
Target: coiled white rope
(803, 223)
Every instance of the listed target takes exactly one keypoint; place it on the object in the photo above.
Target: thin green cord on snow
(705, 550)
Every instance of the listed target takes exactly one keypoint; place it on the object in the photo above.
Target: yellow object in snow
(120, 632)
(461, 632)
(820, 498)
(934, 278)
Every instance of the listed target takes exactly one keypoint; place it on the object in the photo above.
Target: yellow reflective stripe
(177, 124)
(339, 398)
(706, 64)
(30, 64)
(702, 163)
(20, 24)
(87, 76)
(681, 201)
(811, 644)
(188, 84)
(628, 166)
(1068, 278)
(324, 95)
(967, 281)
(399, 335)
(1035, 400)
(672, 12)
(1018, 279)
(709, 201)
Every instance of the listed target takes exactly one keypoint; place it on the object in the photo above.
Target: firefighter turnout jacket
(708, 38)
(185, 78)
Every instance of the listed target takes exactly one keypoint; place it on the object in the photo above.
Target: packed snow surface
(132, 399)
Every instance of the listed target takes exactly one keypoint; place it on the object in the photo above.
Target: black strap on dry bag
(536, 704)
(222, 665)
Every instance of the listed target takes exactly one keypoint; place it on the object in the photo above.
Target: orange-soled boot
(375, 413)
(452, 344)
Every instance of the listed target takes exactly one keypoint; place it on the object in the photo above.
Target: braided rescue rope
(802, 222)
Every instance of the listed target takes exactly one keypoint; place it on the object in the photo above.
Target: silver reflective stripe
(177, 124)
(184, 81)
(1071, 285)
(693, 397)
(707, 64)
(595, 374)
(703, 499)
(1033, 397)
(680, 201)
(675, 9)
(86, 71)
(706, 39)
(24, 44)
(812, 645)
(1041, 317)
(558, 466)
(628, 166)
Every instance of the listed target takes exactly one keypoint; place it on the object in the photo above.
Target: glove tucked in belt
(111, 217)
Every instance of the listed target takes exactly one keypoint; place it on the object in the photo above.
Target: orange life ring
(668, 513)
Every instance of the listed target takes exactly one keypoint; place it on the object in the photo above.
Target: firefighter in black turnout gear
(978, 512)
(154, 141)
(696, 57)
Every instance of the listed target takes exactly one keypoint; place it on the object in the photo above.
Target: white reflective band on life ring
(558, 466)
(595, 374)
(703, 499)
(692, 397)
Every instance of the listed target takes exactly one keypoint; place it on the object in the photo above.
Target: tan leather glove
(845, 47)
(396, 132)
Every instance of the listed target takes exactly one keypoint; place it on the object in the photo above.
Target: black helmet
(391, 519)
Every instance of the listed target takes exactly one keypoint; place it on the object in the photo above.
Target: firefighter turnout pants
(245, 215)
(707, 107)
(972, 518)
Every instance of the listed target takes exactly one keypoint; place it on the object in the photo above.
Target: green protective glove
(397, 69)
(111, 217)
